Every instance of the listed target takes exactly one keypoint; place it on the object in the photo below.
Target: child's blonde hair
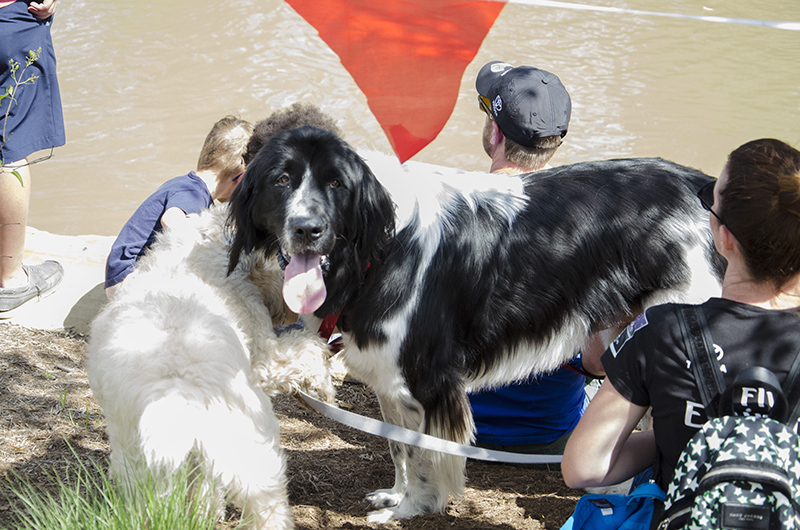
(224, 147)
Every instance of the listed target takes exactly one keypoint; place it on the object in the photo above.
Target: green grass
(86, 499)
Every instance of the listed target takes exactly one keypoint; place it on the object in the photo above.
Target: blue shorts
(35, 120)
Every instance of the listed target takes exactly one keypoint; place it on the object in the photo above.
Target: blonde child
(219, 168)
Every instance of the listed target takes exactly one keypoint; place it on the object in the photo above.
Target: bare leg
(20, 284)
(14, 203)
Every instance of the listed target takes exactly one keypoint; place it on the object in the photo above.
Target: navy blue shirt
(537, 411)
(189, 193)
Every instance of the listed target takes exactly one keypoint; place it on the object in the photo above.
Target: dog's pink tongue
(303, 287)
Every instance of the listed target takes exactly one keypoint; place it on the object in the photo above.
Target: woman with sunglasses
(755, 221)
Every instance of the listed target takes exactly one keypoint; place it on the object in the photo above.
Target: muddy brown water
(143, 81)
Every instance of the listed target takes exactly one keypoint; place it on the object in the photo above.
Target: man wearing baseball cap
(527, 115)
(527, 111)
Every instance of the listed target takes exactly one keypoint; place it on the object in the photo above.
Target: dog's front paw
(400, 509)
(298, 360)
(384, 498)
(319, 386)
(397, 505)
(314, 377)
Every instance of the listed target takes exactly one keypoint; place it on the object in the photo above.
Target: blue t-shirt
(189, 193)
(538, 411)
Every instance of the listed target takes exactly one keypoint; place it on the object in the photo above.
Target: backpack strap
(705, 366)
(792, 386)
(699, 346)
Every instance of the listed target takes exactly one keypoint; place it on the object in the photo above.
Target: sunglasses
(486, 106)
(706, 196)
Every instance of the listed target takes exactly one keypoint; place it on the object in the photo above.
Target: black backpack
(742, 468)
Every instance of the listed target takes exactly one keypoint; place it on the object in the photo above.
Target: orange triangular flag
(407, 56)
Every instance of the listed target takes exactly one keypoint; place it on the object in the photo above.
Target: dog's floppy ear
(237, 223)
(240, 220)
(376, 215)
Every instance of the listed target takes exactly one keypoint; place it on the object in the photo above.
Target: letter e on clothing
(695, 415)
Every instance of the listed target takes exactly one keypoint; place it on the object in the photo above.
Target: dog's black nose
(307, 229)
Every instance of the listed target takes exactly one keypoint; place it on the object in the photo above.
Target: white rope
(775, 24)
(418, 439)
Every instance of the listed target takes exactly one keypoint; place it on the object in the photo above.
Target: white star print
(765, 454)
(795, 469)
(781, 500)
(725, 455)
(784, 436)
(672, 489)
(714, 441)
(741, 428)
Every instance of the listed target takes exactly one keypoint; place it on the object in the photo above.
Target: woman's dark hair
(761, 206)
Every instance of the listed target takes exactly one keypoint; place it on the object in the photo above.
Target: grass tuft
(85, 498)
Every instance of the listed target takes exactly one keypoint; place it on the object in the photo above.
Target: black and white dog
(479, 288)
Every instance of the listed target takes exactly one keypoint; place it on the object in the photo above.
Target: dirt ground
(46, 406)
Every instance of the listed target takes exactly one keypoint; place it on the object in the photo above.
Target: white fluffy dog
(183, 359)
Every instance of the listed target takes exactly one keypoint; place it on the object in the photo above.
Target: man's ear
(497, 134)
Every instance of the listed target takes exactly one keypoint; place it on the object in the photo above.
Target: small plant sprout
(18, 81)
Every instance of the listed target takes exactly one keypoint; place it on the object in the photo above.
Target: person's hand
(173, 218)
(42, 10)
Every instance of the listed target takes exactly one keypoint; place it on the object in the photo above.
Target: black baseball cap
(527, 103)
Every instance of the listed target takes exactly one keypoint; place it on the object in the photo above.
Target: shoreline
(80, 296)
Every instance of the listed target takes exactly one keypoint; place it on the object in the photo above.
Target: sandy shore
(80, 296)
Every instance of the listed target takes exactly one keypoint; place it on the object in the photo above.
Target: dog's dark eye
(283, 179)
(335, 184)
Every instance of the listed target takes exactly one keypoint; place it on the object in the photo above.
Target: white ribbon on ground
(418, 439)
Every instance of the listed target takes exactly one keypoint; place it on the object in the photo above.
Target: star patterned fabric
(737, 472)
